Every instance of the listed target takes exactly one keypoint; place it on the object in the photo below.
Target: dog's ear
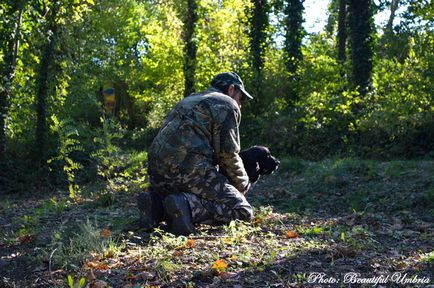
(255, 176)
(250, 164)
(250, 161)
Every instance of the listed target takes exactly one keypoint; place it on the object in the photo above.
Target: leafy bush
(68, 145)
(122, 170)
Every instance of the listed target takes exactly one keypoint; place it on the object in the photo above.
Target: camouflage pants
(212, 199)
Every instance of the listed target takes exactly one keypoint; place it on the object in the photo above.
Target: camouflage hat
(228, 78)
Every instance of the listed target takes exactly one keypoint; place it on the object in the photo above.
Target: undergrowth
(353, 185)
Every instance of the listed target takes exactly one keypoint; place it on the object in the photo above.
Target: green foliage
(222, 43)
(237, 233)
(428, 257)
(28, 225)
(68, 145)
(53, 205)
(121, 170)
(293, 11)
(81, 283)
(307, 104)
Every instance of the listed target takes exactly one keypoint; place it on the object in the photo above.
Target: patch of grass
(6, 205)
(9, 239)
(398, 169)
(348, 185)
(428, 257)
(28, 226)
(237, 231)
(53, 206)
(292, 165)
(72, 252)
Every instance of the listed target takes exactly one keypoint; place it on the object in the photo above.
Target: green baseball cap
(228, 78)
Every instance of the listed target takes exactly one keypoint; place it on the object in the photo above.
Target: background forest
(352, 89)
(348, 109)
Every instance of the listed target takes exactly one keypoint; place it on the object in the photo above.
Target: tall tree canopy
(57, 56)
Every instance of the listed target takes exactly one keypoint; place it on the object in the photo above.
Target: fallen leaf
(291, 234)
(220, 265)
(178, 253)
(190, 243)
(97, 265)
(258, 220)
(105, 232)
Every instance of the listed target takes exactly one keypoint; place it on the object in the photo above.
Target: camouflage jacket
(201, 132)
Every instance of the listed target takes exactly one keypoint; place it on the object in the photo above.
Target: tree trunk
(293, 37)
(333, 12)
(190, 48)
(43, 85)
(11, 48)
(258, 35)
(393, 7)
(342, 30)
(360, 20)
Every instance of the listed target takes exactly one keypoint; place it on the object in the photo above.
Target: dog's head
(258, 161)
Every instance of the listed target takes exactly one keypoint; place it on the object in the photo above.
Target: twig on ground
(49, 262)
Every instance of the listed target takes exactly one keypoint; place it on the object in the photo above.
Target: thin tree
(48, 51)
(333, 11)
(259, 22)
(294, 34)
(190, 47)
(360, 23)
(342, 30)
(10, 42)
(394, 44)
(394, 5)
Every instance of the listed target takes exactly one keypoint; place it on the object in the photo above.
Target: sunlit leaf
(220, 265)
(291, 234)
(190, 243)
(97, 265)
(105, 232)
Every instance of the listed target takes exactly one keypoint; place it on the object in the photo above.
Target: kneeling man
(196, 173)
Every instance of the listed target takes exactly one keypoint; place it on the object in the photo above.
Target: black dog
(258, 161)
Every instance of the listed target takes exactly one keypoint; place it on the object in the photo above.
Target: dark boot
(150, 209)
(178, 214)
